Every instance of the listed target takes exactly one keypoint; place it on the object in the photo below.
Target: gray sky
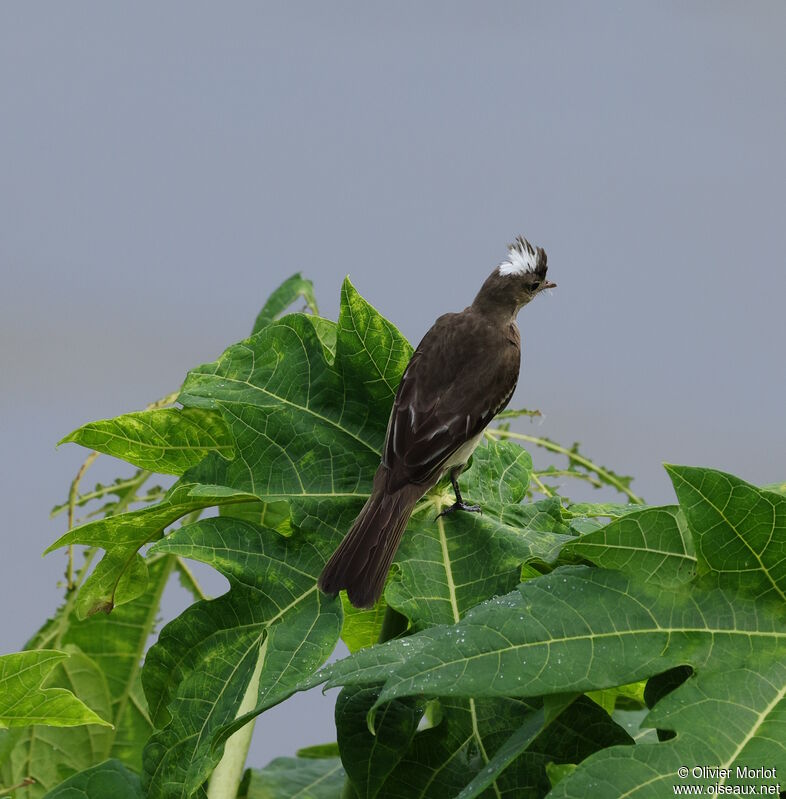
(164, 166)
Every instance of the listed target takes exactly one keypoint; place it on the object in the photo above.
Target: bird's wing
(460, 376)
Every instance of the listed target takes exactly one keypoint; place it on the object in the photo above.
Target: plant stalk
(573, 457)
(225, 779)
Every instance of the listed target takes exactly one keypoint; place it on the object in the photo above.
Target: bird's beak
(549, 285)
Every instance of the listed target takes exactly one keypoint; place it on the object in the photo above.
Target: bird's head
(519, 278)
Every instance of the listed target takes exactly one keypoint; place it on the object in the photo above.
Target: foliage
(506, 656)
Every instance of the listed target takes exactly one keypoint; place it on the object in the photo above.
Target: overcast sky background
(164, 166)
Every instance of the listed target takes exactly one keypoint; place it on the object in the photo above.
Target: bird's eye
(535, 285)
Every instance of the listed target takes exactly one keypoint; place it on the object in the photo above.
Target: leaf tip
(67, 439)
(370, 717)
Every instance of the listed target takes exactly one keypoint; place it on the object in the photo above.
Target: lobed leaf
(163, 440)
(24, 700)
(294, 778)
(727, 719)
(287, 293)
(104, 671)
(121, 576)
(273, 625)
(739, 530)
(108, 779)
(652, 544)
(361, 626)
(304, 427)
(581, 629)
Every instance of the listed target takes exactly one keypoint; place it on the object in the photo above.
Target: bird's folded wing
(450, 391)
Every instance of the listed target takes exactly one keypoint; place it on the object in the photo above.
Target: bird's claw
(460, 506)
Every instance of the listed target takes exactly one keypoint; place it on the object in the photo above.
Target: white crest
(521, 258)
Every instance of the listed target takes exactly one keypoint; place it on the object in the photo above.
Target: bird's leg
(459, 504)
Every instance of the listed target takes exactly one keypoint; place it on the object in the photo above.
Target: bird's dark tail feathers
(362, 560)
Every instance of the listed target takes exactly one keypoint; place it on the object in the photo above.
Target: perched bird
(462, 373)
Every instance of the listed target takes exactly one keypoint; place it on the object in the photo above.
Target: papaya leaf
(273, 515)
(361, 627)
(575, 630)
(108, 779)
(287, 293)
(505, 755)
(25, 701)
(582, 628)
(319, 751)
(303, 427)
(121, 576)
(370, 759)
(272, 624)
(40, 757)
(653, 544)
(108, 680)
(739, 530)
(164, 440)
(733, 719)
(438, 578)
(468, 748)
(294, 778)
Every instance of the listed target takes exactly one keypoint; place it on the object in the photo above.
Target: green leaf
(24, 700)
(739, 530)
(121, 576)
(558, 771)
(273, 621)
(294, 778)
(505, 755)
(110, 779)
(304, 427)
(370, 759)
(727, 719)
(575, 630)
(106, 675)
(273, 515)
(468, 750)
(582, 628)
(164, 440)
(319, 751)
(361, 627)
(653, 544)
(287, 293)
(46, 755)
(628, 697)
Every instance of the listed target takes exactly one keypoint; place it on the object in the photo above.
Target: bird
(459, 377)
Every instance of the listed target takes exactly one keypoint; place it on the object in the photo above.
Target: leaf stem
(24, 784)
(72, 495)
(542, 487)
(576, 475)
(188, 575)
(226, 777)
(573, 457)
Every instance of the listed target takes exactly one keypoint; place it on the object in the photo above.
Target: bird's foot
(459, 505)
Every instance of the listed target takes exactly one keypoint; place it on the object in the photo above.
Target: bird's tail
(362, 560)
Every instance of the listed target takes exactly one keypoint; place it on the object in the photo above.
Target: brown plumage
(462, 373)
